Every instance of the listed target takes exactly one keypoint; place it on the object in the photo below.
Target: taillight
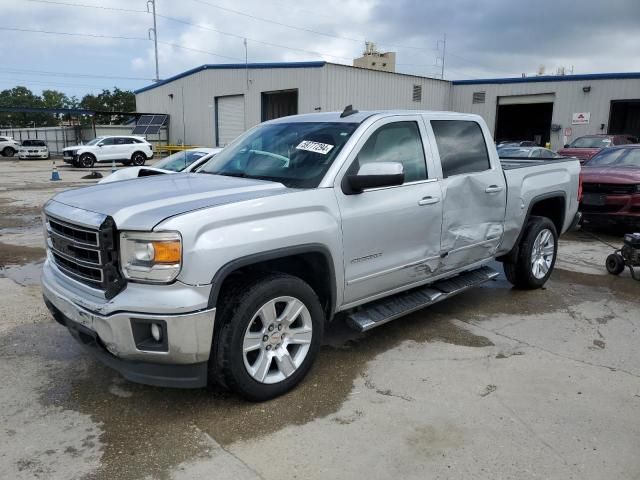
(579, 188)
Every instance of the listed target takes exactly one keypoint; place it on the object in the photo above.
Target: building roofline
(551, 78)
(232, 66)
(389, 73)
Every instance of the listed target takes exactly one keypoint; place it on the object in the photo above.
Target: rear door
(391, 235)
(473, 191)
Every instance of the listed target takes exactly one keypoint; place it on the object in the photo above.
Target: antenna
(348, 110)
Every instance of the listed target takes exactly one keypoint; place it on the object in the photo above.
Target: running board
(382, 311)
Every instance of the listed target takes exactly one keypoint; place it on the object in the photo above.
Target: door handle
(493, 189)
(428, 201)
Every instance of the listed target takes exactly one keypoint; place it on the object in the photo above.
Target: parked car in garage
(611, 187)
(128, 150)
(186, 161)
(33, 149)
(8, 146)
(586, 147)
(528, 152)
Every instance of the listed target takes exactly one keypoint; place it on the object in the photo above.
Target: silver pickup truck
(230, 275)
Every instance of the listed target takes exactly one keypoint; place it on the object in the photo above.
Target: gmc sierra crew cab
(230, 275)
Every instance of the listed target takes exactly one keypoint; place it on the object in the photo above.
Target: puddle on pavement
(25, 275)
(11, 254)
(147, 430)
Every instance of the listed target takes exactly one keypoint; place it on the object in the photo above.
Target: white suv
(125, 149)
(8, 146)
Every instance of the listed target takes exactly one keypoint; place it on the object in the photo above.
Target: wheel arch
(313, 263)
(140, 152)
(552, 205)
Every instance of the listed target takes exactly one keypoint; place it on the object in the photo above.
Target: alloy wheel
(542, 253)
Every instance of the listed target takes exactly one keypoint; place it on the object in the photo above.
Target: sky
(91, 44)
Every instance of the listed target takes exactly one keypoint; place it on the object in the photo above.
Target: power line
(72, 75)
(83, 5)
(114, 37)
(303, 29)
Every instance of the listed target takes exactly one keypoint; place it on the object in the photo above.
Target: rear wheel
(8, 152)
(615, 264)
(536, 255)
(270, 335)
(138, 159)
(86, 160)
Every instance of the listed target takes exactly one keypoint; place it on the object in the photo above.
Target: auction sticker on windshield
(316, 147)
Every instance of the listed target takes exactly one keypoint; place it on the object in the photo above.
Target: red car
(586, 147)
(611, 187)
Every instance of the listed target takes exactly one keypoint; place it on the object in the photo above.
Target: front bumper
(181, 363)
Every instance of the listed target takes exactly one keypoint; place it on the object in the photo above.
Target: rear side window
(396, 142)
(461, 146)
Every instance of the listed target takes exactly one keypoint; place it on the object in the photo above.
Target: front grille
(609, 188)
(87, 255)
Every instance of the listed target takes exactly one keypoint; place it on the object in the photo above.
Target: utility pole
(444, 48)
(155, 33)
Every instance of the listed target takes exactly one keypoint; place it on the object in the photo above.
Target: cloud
(484, 39)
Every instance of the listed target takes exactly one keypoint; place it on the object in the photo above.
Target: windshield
(180, 160)
(513, 152)
(94, 141)
(33, 143)
(295, 154)
(591, 142)
(616, 157)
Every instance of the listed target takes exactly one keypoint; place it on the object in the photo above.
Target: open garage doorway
(279, 104)
(524, 117)
(624, 117)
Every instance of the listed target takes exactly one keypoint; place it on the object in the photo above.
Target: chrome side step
(382, 311)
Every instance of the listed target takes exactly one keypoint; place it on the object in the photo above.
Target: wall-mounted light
(170, 96)
(586, 89)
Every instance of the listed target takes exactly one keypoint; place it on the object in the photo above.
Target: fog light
(156, 332)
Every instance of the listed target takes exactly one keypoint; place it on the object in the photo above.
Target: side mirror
(566, 145)
(100, 144)
(375, 175)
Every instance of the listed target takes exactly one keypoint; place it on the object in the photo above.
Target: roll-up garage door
(525, 99)
(229, 118)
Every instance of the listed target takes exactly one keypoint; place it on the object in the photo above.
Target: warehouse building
(213, 104)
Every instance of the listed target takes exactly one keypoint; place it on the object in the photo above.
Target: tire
(615, 264)
(138, 159)
(86, 160)
(242, 326)
(535, 261)
(8, 152)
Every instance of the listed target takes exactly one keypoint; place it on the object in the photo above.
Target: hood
(133, 172)
(619, 175)
(74, 147)
(142, 203)
(580, 153)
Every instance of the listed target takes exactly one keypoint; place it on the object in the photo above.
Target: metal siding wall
(569, 99)
(328, 88)
(370, 89)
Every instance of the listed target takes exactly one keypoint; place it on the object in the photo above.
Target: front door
(105, 150)
(391, 235)
(473, 192)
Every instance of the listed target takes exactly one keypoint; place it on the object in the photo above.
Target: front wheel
(86, 161)
(536, 255)
(271, 333)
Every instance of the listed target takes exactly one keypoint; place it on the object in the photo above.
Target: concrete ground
(495, 383)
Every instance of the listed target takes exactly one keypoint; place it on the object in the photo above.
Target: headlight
(153, 257)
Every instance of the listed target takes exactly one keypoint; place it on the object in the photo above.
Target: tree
(111, 101)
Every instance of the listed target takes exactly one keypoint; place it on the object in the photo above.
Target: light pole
(155, 33)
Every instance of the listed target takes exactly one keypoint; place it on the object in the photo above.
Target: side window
(461, 146)
(536, 153)
(121, 141)
(107, 141)
(396, 142)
